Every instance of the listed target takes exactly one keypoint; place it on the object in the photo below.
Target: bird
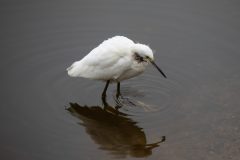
(113, 61)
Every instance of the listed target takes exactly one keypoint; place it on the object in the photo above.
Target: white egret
(114, 60)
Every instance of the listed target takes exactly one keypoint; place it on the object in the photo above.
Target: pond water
(193, 114)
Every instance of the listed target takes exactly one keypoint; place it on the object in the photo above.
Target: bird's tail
(71, 70)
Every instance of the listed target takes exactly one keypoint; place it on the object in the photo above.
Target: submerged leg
(118, 90)
(105, 89)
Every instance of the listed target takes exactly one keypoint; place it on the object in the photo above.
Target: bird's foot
(118, 95)
(123, 100)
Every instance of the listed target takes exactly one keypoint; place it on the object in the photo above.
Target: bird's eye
(147, 57)
(138, 57)
(136, 53)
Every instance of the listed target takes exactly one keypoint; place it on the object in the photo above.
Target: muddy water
(194, 114)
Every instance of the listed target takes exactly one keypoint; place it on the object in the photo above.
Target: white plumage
(114, 60)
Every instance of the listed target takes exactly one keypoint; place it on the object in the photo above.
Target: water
(194, 114)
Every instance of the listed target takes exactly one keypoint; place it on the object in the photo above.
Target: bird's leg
(105, 89)
(118, 90)
(104, 101)
(122, 98)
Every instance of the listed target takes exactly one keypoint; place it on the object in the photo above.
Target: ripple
(151, 93)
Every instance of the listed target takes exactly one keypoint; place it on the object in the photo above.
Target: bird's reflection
(113, 130)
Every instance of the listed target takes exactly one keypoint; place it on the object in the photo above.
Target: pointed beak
(154, 64)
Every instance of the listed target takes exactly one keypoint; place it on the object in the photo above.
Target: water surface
(194, 114)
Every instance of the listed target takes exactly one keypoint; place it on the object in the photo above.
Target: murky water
(194, 114)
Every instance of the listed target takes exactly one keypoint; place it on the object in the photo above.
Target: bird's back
(105, 62)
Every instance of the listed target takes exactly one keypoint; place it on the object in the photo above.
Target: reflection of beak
(154, 64)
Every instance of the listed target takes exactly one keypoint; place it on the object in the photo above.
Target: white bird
(114, 60)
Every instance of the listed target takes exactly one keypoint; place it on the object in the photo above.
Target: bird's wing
(108, 68)
(107, 61)
(109, 51)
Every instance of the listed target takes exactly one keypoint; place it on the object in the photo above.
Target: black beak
(154, 64)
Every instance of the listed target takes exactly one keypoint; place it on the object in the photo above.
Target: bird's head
(143, 53)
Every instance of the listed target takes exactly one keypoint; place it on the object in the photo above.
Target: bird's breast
(135, 70)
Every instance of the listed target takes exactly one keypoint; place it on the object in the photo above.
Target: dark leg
(105, 89)
(122, 98)
(118, 90)
(105, 104)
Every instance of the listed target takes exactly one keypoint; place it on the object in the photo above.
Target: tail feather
(71, 70)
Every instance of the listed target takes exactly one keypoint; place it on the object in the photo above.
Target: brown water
(194, 114)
